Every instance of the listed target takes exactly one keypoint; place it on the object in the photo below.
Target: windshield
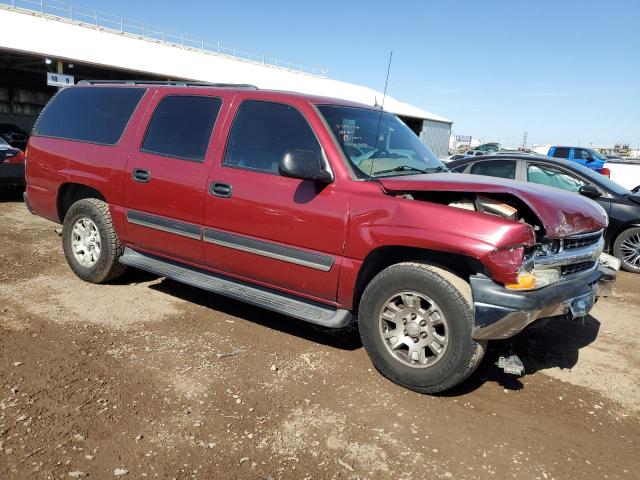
(398, 151)
(3, 144)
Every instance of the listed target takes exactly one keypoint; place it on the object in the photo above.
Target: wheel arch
(383, 257)
(71, 192)
(621, 229)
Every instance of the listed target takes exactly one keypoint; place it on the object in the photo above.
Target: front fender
(496, 242)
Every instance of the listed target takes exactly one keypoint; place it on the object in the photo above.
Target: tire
(624, 247)
(102, 264)
(451, 296)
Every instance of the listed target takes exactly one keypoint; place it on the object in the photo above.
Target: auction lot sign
(59, 80)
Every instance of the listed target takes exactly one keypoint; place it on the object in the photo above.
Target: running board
(286, 304)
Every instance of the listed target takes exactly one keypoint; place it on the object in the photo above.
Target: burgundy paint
(347, 219)
(562, 213)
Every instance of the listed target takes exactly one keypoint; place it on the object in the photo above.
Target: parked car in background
(488, 147)
(622, 237)
(455, 156)
(476, 153)
(588, 157)
(325, 210)
(14, 135)
(624, 172)
(11, 165)
(467, 154)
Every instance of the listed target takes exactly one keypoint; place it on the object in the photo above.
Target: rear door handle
(220, 189)
(141, 175)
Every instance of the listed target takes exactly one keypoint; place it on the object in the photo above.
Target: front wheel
(91, 243)
(627, 249)
(416, 322)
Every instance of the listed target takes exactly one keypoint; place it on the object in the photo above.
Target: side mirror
(304, 165)
(589, 191)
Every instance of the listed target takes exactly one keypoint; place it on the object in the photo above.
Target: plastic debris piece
(511, 365)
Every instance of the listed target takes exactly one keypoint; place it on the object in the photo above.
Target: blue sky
(565, 71)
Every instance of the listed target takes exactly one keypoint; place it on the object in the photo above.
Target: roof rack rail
(177, 83)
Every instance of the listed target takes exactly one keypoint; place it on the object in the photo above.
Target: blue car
(584, 156)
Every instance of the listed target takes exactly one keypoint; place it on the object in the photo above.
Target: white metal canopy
(79, 40)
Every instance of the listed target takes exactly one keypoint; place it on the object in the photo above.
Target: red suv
(325, 210)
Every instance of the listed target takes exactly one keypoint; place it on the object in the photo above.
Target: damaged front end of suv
(558, 277)
(559, 270)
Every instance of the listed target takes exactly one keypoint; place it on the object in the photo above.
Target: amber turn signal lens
(526, 281)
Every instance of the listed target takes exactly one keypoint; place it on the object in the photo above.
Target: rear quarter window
(495, 168)
(86, 114)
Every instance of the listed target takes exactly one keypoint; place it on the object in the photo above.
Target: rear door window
(181, 127)
(495, 168)
(89, 114)
(561, 152)
(263, 131)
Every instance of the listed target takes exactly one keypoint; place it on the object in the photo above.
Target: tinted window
(579, 154)
(495, 168)
(181, 127)
(561, 152)
(89, 114)
(582, 154)
(553, 177)
(263, 131)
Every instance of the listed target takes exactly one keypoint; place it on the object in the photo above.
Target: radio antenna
(384, 96)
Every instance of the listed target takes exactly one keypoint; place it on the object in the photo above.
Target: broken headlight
(535, 279)
(550, 247)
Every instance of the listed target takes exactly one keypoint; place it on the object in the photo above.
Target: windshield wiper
(401, 168)
(408, 168)
(440, 168)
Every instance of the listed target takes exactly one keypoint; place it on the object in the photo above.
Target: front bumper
(501, 313)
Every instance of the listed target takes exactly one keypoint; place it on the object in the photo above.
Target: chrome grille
(567, 270)
(577, 254)
(581, 241)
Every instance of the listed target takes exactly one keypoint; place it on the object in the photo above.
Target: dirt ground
(147, 378)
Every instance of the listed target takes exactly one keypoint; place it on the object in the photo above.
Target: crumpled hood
(562, 213)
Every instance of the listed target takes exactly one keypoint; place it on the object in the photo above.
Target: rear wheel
(90, 242)
(627, 249)
(416, 322)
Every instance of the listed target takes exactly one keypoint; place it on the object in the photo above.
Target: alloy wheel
(630, 250)
(414, 329)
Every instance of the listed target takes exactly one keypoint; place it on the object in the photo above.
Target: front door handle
(220, 189)
(141, 175)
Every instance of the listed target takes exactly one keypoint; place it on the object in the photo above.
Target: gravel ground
(146, 378)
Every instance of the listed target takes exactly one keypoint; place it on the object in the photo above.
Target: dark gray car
(623, 206)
